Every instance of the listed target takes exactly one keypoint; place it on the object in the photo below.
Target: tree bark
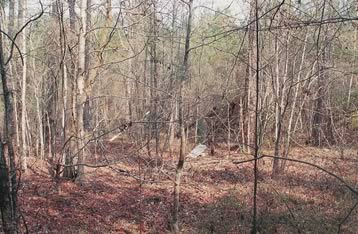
(12, 65)
(21, 16)
(249, 102)
(72, 12)
(8, 180)
(294, 103)
(81, 89)
(69, 170)
(109, 10)
(319, 117)
(181, 161)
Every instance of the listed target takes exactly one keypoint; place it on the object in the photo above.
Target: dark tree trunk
(7, 174)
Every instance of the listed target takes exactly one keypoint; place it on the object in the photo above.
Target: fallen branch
(346, 217)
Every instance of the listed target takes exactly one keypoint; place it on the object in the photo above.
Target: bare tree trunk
(64, 115)
(281, 96)
(22, 13)
(229, 128)
(69, 170)
(87, 107)
(294, 103)
(65, 152)
(250, 87)
(11, 18)
(154, 78)
(81, 89)
(8, 180)
(12, 65)
(179, 169)
(173, 105)
(128, 92)
(256, 128)
(6, 208)
(277, 96)
(180, 165)
(71, 8)
(172, 124)
(242, 124)
(13, 85)
(197, 124)
(109, 10)
(318, 113)
(353, 66)
(40, 125)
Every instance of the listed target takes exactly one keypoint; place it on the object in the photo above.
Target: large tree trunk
(87, 105)
(81, 89)
(12, 65)
(8, 180)
(5, 195)
(69, 170)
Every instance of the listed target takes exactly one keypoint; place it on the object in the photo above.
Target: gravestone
(197, 151)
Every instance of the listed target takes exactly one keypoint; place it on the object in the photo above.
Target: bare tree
(183, 77)
(81, 84)
(21, 17)
(8, 180)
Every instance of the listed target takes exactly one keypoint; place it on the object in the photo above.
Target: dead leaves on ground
(216, 197)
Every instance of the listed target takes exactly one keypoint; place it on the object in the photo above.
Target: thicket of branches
(77, 75)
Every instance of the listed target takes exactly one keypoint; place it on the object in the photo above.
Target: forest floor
(216, 195)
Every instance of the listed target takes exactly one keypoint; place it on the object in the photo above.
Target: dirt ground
(216, 195)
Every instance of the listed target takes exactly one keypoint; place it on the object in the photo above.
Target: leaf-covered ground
(216, 196)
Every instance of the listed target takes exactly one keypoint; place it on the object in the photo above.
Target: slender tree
(184, 72)
(21, 17)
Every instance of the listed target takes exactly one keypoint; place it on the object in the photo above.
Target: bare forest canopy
(199, 108)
